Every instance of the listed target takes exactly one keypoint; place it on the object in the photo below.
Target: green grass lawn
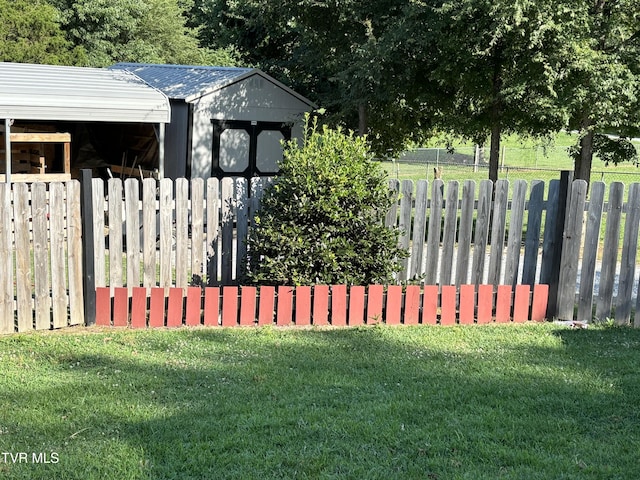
(481, 402)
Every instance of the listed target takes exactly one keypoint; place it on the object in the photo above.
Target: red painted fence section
(321, 305)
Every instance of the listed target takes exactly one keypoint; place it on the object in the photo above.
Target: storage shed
(224, 121)
(46, 104)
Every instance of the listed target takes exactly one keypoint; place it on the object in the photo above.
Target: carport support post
(88, 265)
(7, 150)
(161, 137)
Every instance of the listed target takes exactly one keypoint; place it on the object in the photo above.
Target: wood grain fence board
(485, 303)
(339, 305)
(590, 251)
(197, 231)
(449, 234)
(138, 307)
(539, 302)
(419, 229)
(284, 309)
(21, 216)
(6, 257)
(448, 305)
(412, 305)
(406, 202)
(242, 226)
(433, 234)
(213, 214)
(549, 244)
(481, 236)
(229, 306)
(193, 314)
(571, 251)
(321, 305)
(465, 233)
(393, 313)
(503, 304)
(175, 307)
(532, 240)
(211, 306)
(182, 232)
(628, 258)
(74, 256)
(115, 232)
(521, 303)
(120, 307)
(165, 212)
(467, 304)
(391, 219)
(58, 254)
(514, 241)
(375, 304)
(99, 247)
(228, 210)
(149, 232)
(498, 227)
(303, 305)
(42, 286)
(430, 305)
(266, 305)
(103, 307)
(157, 307)
(248, 305)
(132, 228)
(356, 305)
(610, 251)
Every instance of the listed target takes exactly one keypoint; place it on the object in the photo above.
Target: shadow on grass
(534, 402)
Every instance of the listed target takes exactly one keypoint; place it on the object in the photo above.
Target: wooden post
(88, 264)
(7, 150)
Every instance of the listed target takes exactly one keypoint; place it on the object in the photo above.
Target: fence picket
(74, 256)
(115, 232)
(182, 232)
(6, 257)
(197, 231)
(571, 251)
(465, 232)
(532, 241)
(498, 226)
(549, 244)
(42, 286)
(419, 229)
(391, 220)
(21, 216)
(433, 234)
(149, 231)
(449, 234)
(406, 201)
(590, 249)
(482, 232)
(514, 241)
(99, 247)
(228, 208)
(166, 231)
(628, 259)
(58, 264)
(212, 216)
(242, 226)
(132, 229)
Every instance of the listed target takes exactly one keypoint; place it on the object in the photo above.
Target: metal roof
(52, 92)
(190, 82)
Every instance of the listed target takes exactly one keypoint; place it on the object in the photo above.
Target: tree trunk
(362, 120)
(494, 151)
(582, 168)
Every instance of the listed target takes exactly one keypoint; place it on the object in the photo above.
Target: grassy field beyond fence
(533, 401)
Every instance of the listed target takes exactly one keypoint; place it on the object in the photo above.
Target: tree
(602, 91)
(151, 31)
(30, 33)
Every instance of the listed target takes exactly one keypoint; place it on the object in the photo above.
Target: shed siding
(253, 99)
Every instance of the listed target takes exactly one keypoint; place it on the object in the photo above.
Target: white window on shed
(234, 150)
(269, 152)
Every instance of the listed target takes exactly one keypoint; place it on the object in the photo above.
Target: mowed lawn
(477, 402)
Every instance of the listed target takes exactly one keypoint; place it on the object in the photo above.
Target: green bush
(322, 221)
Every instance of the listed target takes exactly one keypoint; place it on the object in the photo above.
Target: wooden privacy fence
(192, 233)
(40, 253)
(320, 305)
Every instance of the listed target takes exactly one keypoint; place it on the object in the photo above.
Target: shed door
(247, 149)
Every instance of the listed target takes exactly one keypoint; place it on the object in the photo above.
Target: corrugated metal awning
(51, 92)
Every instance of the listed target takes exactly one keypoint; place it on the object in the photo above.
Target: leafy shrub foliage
(322, 219)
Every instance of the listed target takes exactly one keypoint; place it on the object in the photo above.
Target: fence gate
(41, 256)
